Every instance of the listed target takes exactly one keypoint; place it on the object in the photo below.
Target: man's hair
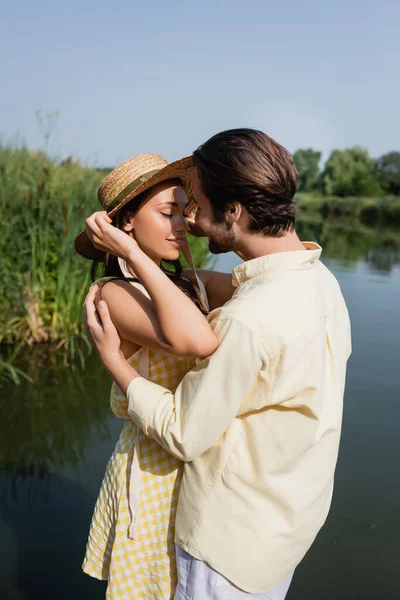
(247, 166)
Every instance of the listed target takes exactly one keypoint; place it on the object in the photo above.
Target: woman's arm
(136, 319)
(170, 321)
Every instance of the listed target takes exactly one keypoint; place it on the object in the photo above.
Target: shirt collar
(281, 261)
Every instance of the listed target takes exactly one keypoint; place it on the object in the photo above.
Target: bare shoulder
(121, 295)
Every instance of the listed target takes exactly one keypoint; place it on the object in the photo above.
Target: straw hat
(130, 179)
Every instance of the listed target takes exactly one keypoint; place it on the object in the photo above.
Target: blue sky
(157, 76)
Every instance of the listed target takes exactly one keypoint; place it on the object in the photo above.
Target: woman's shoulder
(121, 283)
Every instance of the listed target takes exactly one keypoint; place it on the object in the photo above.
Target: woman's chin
(172, 254)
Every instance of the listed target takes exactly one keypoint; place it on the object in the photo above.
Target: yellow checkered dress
(143, 567)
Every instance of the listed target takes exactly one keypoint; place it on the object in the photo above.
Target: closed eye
(169, 215)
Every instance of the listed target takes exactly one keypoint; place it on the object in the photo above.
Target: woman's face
(160, 225)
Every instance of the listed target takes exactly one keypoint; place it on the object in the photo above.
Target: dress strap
(202, 290)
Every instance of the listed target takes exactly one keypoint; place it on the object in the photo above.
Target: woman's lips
(178, 243)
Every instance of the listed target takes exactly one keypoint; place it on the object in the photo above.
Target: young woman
(159, 311)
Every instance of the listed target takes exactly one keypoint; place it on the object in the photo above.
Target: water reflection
(49, 432)
(47, 425)
(347, 239)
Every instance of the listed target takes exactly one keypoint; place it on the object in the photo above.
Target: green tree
(307, 162)
(350, 172)
(388, 167)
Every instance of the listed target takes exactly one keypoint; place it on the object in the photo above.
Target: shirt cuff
(143, 396)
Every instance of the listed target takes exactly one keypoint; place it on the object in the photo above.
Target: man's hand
(100, 330)
(108, 238)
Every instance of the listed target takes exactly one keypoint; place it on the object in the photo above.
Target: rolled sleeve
(143, 396)
(208, 398)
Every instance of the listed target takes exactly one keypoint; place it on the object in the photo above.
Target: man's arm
(207, 400)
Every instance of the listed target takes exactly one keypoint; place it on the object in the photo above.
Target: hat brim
(180, 169)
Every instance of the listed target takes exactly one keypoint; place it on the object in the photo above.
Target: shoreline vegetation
(43, 281)
(370, 211)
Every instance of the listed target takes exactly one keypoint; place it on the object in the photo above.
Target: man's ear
(233, 212)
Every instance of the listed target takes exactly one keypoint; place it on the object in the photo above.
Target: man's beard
(223, 242)
(215, 248)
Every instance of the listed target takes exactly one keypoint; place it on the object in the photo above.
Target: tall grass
(43, 281)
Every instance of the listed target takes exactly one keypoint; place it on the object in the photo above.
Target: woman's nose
(182, 225)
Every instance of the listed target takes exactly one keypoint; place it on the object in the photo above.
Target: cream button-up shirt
(258, 422)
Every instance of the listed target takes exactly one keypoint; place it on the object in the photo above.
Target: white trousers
(198, 581)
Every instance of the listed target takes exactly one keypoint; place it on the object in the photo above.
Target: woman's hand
(108, 238)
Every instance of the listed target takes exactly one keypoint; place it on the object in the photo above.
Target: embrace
(230, 386)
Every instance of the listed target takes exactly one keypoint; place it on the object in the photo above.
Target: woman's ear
(127, 223)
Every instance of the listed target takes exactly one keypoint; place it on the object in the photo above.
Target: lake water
(57, 435)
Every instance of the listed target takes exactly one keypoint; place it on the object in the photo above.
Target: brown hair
(247, 166)
(172, 268)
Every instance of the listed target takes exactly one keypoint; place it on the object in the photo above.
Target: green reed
(43, 280)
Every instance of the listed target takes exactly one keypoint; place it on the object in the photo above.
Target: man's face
(221, 238)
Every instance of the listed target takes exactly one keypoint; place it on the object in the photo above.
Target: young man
(258, 422)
